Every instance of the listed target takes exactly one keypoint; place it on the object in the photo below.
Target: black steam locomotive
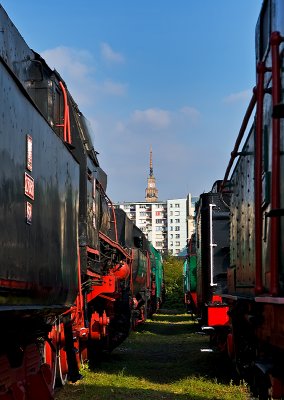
(76, 274)
(252, 288)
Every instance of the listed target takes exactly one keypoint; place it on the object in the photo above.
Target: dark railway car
(255, 276)
(70, 265)
(190, 277)
(212, 255)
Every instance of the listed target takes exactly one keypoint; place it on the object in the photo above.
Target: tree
(173, 269)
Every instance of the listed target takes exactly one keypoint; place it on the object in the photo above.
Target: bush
(173, 268)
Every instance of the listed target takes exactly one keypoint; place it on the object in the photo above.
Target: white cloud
(191, 112)
(76, 63)
(76, 66)
(238, 97)
(110, 55)
(154, 117)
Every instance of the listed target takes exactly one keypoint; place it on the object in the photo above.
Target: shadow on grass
(166, 352)
(97, 392)
(161, 360)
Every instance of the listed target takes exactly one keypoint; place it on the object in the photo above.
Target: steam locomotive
(76, 275)
(249, 286)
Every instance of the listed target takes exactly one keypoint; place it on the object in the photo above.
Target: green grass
(161, 360)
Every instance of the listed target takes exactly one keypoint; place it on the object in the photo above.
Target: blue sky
(177, 75)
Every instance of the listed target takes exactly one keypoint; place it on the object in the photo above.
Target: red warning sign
(29, 186)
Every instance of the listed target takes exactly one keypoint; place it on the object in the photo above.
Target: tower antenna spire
(151, 162)
(151, 193)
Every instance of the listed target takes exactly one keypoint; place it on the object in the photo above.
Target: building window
(177, 213)
(159, 221)
(171, 212)
(177, 228)
(158, 213)
(171, 221)
(171, 236)
(177, 236)
(142, 214)
(159, 244)
(142, 206)
(159, 228)
(171, 228)
(177, 243)
(176, 205)
(171, 244)
(171, 206)
(177, 221)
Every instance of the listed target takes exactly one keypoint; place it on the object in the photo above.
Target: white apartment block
(151, 218)
(191, 200)
(167, 224)
(177, 225)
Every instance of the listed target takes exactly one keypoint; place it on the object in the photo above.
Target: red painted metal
(108, 285)
(216, 299)
(66, 122)
(243, 128)
(121, 270)
(230, 346)
(93, 274)
(98, 325)
(258, 168)
(114, 244)
(277, 387)
(93, 251)
(218, 315)
(32, 380)
(275, 173)
(62, 355)
(51, 352)
(217, 312)
(194, 297)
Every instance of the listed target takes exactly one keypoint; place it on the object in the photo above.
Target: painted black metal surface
(220, 243)
(38, 254)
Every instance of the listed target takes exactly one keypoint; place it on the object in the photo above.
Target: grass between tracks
(161, 360)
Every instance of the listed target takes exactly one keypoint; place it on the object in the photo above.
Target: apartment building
(177, 225)
(167, 224)
(151, 218)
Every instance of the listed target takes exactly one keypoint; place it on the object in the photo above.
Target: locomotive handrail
(275, 41)
(211, 244)
(243, 128)
(261, 70)
(66, 121)
(115, 245)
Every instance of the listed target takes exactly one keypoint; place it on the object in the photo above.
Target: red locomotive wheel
(62, 365)
(50, 353)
